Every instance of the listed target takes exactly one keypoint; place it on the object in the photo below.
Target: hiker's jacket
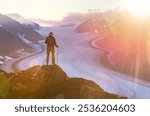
(50, 41)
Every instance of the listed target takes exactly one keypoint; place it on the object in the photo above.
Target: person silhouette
(51, 44)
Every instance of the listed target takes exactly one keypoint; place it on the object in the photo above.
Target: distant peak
(15, 15)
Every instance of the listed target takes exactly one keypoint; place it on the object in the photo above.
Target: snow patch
(4, 59)
(33, 45)
(21, 20)
(41, 41)
(1, 62)
(1, 57)
(0, 25)
(20, 51)
(24, 39)
(43, 31)
(7, 58)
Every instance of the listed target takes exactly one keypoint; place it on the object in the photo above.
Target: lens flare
(138, 7)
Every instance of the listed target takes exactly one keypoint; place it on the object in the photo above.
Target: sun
(138, 7)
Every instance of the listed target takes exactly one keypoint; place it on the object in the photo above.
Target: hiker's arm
(55, 42)
(46, 41)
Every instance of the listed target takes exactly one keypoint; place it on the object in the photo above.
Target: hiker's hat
(51, 33)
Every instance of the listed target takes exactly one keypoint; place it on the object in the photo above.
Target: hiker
(51, 44)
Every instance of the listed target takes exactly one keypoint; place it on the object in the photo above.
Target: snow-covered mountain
(11, 33)
(24, 21)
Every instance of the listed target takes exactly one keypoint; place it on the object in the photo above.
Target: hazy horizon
(54, 10)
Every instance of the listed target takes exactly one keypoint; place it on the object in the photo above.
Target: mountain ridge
(11, 32)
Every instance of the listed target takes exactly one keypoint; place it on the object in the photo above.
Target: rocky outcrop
(46, 82)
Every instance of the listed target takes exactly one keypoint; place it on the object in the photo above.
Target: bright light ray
(138, 7)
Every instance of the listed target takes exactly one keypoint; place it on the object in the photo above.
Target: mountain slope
(15, 27)
(10, 35)
(24, 21)
(10, 43)
(96, 25)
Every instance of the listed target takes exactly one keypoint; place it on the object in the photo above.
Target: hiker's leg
(47, 58)
(53, 55)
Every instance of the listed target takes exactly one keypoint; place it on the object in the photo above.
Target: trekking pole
(57, 55)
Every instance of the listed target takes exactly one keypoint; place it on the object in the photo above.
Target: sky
(54, 9)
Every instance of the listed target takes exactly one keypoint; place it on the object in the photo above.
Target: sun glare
(138, 7)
